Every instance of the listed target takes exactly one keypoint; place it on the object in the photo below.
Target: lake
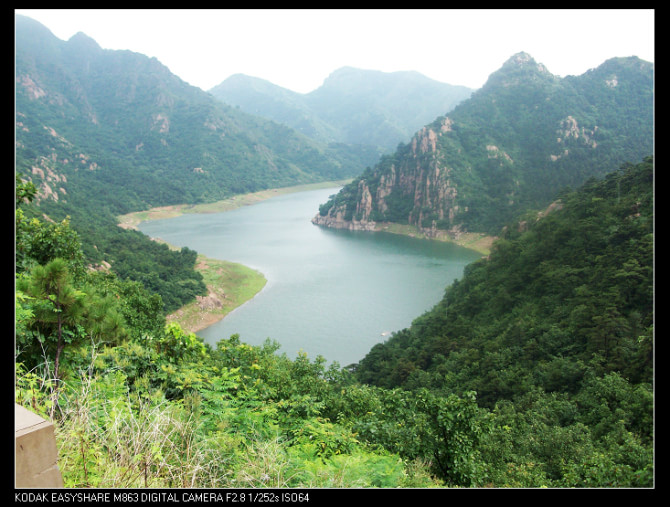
(330, 292)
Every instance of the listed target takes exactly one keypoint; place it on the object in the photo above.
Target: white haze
(298, 48)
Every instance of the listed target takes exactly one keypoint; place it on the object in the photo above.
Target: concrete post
(36, 451)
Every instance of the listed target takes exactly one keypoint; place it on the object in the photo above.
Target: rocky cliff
(515, 143)
(419, 179)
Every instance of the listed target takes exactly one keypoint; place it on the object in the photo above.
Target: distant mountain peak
(524, 60)
(519, 58)
(370, 109)
(520, 68)
(80, 39)
(506, 149)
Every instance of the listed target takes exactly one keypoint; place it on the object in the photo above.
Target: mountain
(554, 333)
(263, 98)
(570, 290)
(353, 106)
(119, 128)
(510, 147)
(102, 133)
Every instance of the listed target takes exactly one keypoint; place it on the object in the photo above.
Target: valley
(132, 220)
(387, 283)
(328, 293)
(225, 278)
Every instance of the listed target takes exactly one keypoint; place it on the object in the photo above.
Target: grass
(229, 285)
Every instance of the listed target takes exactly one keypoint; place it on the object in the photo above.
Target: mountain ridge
(511, 146)
(134, 119)
(535, 370)
(352, 106)
(101, 133)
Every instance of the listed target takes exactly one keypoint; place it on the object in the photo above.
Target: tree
(58, 306)
(25, 190)
(38, 242)
(63, 314)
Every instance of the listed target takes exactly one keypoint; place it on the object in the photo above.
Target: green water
(329, 292)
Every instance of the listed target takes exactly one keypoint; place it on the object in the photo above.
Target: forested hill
(511, 146)
(121, 122)
(534, 371)
(565, 294)
(354, 106)
(104, 132)
(554, 333)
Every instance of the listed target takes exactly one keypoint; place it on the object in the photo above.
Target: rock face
(508, 149)
(337, 221)
(416, 186)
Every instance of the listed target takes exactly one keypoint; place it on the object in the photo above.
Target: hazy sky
(298, 49)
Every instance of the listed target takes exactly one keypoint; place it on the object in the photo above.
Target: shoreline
(132, 220)
(479, 242)
(475, 241)
(229, 284)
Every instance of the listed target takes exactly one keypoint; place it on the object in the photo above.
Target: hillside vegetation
(368, 110)
(535, 370)
(102, 133)
(517, 141)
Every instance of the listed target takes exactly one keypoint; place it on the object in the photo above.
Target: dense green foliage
(535, 370)
(132, 256)
(137, 403)
(510, 147)
(575, 283)
(557, 133)
(554, 332)
(102, 133)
